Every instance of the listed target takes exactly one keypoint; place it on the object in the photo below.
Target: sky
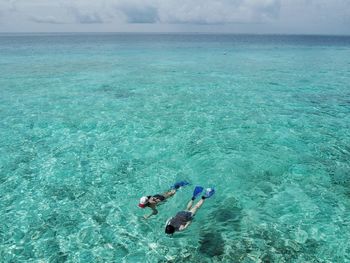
(213, 16)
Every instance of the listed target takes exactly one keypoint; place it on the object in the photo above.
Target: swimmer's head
(169, 229)
(143, 201)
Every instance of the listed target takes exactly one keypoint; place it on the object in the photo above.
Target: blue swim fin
(179, 184)
(208, 193)
(197, 191)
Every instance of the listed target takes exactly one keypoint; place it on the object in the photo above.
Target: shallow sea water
(91, 122)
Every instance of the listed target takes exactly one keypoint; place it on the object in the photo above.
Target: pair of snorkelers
(183, 218)
(152, 201)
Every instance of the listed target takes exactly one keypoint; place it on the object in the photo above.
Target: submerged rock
(117, 92)
(228, 212)
(341, 176)
(211, 243)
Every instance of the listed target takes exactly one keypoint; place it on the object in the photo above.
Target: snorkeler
(183, 218)
(152, 201)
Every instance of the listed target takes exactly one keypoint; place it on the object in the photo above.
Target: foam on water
(90, 123)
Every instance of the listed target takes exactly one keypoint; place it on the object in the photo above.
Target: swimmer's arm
(154, 212)
(183, 227)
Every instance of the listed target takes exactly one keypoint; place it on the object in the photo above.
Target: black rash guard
(180, 219)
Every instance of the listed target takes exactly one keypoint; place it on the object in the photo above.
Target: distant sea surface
(89, 123)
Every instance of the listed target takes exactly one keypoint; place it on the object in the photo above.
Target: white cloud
(85, 17)
(316, 16)
(138, 14)
(260, 16)
(8, 6)
(219, 12)
(46, 20)
(199, 11)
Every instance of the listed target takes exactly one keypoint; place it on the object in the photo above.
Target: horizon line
(174, 33)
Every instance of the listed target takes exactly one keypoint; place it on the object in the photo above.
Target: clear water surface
(91, 122)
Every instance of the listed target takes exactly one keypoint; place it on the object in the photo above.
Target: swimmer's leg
(196, 192)
(189, 205)
(197, 206)
(209, 192)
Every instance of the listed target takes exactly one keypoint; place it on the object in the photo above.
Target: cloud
(261, 16)
(199, 11)
(46, 20)
(316, 15)
(84, 16)
(221, 12)
(89, 18)
(143, 14)
(8, 5)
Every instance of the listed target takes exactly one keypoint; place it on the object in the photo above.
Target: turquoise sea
(92, 122)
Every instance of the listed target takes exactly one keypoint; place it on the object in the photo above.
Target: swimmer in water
(184, 218)
(152, 201)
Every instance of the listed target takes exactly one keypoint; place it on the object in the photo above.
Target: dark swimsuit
(180, 219)
(159, 197)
